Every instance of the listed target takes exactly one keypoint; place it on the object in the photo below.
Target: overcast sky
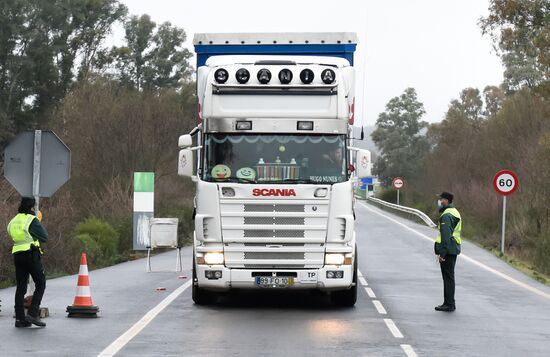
(434, 46)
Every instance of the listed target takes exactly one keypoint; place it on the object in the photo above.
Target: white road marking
(471, 260)
(370, 293)
(362, 278)
(393, 329)
(409, 351)
(379, 307)
(127, 336)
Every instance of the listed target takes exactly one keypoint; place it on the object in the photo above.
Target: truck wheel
(347, 298)
(201, 296)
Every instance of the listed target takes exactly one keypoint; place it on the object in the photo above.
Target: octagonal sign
(55, 163)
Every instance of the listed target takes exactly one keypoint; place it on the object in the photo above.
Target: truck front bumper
(235, 278)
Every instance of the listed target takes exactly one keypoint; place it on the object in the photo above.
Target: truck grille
(273, 255)
(273, 208)
(275, 220)
(262, 233)
(274, 233)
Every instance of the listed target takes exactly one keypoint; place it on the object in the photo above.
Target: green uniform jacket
(448, 245)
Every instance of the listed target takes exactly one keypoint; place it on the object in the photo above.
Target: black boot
(444, 307)
(22, 323)
(35, 320)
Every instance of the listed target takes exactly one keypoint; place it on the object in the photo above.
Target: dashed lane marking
(363, 281)
(127, 336)
(379, 307)
(467, 258)
(370, 293)
(409, 351)
(393, 329)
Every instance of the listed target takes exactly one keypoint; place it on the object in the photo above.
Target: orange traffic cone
(83, 305)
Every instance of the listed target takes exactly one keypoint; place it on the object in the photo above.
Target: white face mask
(439, 204)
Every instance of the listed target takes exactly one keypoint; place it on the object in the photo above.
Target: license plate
(274, 281)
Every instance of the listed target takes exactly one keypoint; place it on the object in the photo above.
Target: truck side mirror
(185, 162)
(363, 164)
(185, 141)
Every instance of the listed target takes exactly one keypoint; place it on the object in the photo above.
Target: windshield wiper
(289, 180)
(234, 179)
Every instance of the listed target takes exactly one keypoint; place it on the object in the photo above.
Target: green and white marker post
(144, 208)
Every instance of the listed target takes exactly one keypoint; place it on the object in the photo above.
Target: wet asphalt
(500, 311)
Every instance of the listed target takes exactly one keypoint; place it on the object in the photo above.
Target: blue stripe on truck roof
(330, 50)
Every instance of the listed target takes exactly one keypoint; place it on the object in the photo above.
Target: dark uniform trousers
(28, 263)
(448, 272)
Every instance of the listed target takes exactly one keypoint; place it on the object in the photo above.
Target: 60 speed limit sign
(505, 182)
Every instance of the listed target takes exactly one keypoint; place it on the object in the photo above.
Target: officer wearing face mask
(447, 247)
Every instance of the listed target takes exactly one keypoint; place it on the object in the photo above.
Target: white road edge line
(409, 351)
(471, 260)
(379, 307)
(393, 329)
(370, 293)
(127, 336)
(362, 278)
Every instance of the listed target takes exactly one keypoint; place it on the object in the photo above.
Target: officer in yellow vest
(447, 247)
(27, 233)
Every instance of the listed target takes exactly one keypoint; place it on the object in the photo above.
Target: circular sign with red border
(398, 183)
(505, 182)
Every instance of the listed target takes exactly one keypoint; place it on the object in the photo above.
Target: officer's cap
(447, 195)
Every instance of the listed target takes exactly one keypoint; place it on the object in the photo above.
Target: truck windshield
(252, 158)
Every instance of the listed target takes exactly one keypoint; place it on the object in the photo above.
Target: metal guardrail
(423, 216)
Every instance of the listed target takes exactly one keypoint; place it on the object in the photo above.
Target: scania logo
(273, 192)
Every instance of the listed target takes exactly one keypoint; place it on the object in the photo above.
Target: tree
(493, 97)
(399, 138)
(520, 32)
(151, 60)
(43, 44)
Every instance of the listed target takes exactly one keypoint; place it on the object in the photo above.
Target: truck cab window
(275, 158)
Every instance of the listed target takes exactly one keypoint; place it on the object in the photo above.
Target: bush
(99, 240)
(541, 260)
(390, 195)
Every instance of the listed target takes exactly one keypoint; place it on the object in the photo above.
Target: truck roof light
(264, 76)
(328, 76)
(285, 76)
(305, 125)
(307, 76)
(244, 125)
(221, 76)
(242, 75)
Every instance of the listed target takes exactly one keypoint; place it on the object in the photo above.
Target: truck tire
(347, 298)
(201, 296)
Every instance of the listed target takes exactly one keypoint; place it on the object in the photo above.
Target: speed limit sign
(505, 182)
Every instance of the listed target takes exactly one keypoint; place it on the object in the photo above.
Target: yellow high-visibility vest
(18, 229)
(456, 231)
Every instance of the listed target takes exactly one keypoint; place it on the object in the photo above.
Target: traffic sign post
(505, 183)
(398, 183)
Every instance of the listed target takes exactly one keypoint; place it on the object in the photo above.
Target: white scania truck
(273, 164)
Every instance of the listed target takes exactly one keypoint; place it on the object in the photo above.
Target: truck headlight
(213, 258)
(334, 259)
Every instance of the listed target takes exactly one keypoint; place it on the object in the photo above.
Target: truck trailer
(274, 165)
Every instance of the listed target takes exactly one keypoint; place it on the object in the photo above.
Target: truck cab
(273, 163)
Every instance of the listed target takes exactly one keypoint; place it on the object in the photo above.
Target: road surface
(500, 312)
